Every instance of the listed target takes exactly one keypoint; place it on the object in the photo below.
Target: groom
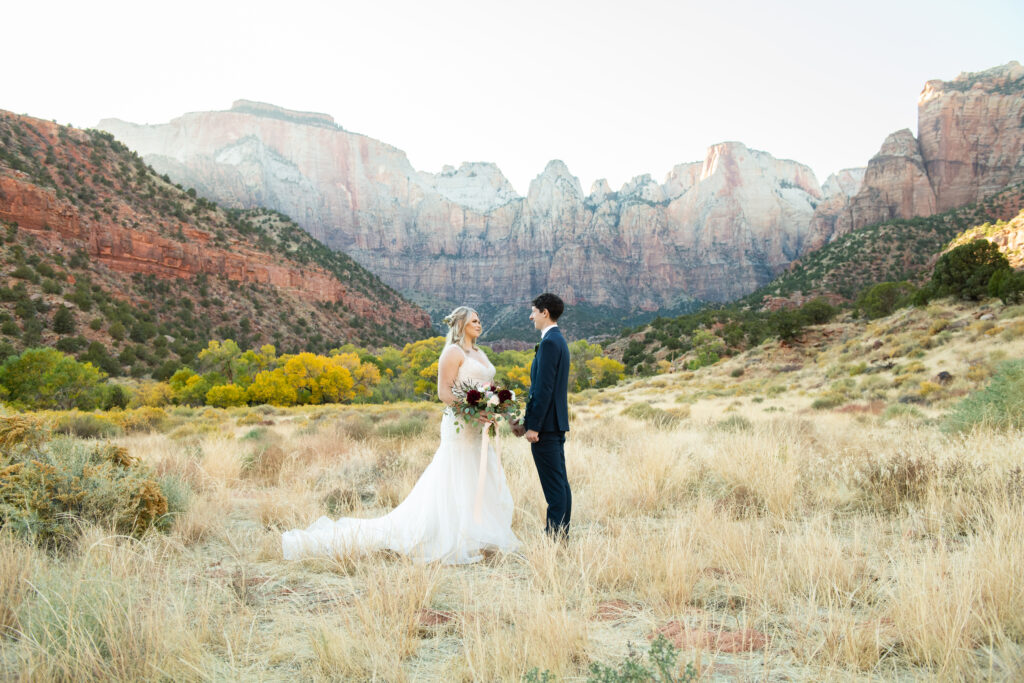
(547, 412)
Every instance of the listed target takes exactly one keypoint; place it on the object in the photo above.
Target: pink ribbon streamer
(482, 479)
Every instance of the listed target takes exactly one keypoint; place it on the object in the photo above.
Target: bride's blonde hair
(456, 322)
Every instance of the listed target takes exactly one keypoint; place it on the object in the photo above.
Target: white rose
(513, 395)
(493, 400)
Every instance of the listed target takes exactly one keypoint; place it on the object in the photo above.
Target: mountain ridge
(71, 196)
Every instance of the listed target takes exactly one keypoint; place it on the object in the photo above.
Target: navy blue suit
(547, 413)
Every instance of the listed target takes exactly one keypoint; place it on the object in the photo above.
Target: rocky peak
(734, 163)
(902, 143)
(844, 183)
(971, 135)
(681, 178)
(999, 80)
(599, 190)
(480, 186)
(555, 185)
(644, 188)
(970, 144)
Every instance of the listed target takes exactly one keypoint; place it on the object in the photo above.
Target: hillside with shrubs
(897, 250)
(951, 255)
(105, 260)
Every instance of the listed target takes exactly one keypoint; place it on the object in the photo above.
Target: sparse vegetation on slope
(895, 251)
(70, 298)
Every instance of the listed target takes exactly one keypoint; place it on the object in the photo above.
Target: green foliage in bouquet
(474, 401)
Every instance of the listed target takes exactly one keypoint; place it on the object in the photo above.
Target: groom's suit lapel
(533, 365)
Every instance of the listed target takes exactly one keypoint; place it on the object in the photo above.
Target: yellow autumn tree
(273, 387)
(153, 394)
(420, 366)
(605, 371)
(252, 362)
(426, 385)
(318, 379)
(518, 377)
(226, 396)
(365, 375)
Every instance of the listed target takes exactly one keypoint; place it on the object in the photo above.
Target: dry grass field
(767, 539)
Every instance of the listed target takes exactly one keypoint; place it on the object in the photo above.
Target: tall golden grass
(857, 547)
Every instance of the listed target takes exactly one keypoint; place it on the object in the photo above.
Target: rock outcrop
(60, 225)
(970, 144)
(713, 230)
(90, 196)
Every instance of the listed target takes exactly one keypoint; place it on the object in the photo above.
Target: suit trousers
(549, 457)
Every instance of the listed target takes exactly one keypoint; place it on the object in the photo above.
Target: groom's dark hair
(550, 303)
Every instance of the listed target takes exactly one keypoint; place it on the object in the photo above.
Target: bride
(436, 522)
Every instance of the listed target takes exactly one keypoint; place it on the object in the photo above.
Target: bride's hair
(456, 322)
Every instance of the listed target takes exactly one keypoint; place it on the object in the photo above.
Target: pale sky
(614, 89)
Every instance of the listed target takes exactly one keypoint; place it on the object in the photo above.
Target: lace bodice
(473, 370)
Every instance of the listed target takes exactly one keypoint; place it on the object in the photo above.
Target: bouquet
(474, 401)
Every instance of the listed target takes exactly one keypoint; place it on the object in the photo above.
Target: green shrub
(143, 419)
(663, 668)
(404, 427)
(656, 416)
(1007, 285)
(114, 396)
(85, 425)
(733, 424)
(1000, 405)
(179, 495)
(882, 299)
(828, 401)
(47, 378)
(901, 410)
(71, 344)
(266, 456)
(965, 271)
(48, 487)
(356, 426)
(63, 321)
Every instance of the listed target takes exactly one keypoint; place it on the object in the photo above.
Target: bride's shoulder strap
(447, 351)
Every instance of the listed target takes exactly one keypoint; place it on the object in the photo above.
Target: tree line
(224, 375)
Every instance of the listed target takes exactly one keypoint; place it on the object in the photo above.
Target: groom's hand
(532, 436)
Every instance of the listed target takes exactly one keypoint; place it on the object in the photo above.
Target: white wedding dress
(436, 521)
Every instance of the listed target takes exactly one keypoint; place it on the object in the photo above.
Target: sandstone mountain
(896, 250)
(970, 145)
(92, 228)
(713, 230)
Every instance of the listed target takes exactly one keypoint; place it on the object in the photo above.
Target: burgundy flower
(504, 395)
(473, 397)
(493, 388)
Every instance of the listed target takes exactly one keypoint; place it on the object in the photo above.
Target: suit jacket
(547, 405)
